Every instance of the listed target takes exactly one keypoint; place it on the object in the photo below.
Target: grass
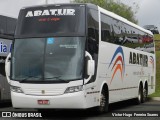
(157, 43)
(156, 36)
(157, 92)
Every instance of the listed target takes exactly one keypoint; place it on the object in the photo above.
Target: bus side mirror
(90, 67)
(7, 67)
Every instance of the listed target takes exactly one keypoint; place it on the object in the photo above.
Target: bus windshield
(63, 20)
(48, 59)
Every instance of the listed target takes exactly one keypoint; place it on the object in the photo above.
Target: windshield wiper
(27, 78)
(57, 78)
(54, 79)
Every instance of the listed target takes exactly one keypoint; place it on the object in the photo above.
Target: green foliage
(157, 46)
(116, 7)
(158, 73)
(157, 92)
(157, 37)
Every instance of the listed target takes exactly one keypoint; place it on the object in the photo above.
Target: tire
(0, 95)
(139, 99)
(145, 93)
(104, 102)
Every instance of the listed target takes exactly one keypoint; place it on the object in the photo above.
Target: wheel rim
(139, 96)
(102, 102)
(144, 94)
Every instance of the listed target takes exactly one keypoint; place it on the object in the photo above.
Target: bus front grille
(45, 92)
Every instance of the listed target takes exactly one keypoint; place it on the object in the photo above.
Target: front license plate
(43, 102)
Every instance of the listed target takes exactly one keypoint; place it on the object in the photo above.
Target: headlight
(74, 89)
(16, 89)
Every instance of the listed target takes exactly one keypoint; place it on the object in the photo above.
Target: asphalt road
(122, 109)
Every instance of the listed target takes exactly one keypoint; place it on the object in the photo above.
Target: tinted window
(117, 32)
(28, 58)
(11, 24)
(7, 26)
(93, 24)
(93, 35)
(48, 59)
(64, 58)
(105, 28)
(2, 24)
(52, 21)
(93, 38)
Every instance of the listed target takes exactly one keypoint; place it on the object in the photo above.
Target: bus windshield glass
(62, 20)
(48, 59)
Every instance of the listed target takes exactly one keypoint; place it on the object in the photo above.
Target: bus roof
(48, 5)
(111, 14)
(89, 5)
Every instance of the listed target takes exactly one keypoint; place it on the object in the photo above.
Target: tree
(116, 7)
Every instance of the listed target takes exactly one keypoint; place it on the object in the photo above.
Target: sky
(147, 13)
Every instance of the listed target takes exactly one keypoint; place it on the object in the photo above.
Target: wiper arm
(57, 78)
(25, 79)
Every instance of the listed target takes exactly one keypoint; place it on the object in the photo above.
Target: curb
(154, 98)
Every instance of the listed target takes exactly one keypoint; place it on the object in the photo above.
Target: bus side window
(2, 24)
(105, 28)
(93, 36)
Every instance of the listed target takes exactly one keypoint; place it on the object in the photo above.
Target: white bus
(7, 27)
(67, 56)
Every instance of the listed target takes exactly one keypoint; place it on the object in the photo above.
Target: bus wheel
(0, 94)
(145, 93)
(103, 102)
(139, 99)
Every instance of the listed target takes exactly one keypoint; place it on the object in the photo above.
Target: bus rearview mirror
(7, 66)
(90, 67)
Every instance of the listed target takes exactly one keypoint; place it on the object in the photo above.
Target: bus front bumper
(74, 100)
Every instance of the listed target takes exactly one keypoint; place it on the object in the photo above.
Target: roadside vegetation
(157, 37)
(115, 7)
(157, 93)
